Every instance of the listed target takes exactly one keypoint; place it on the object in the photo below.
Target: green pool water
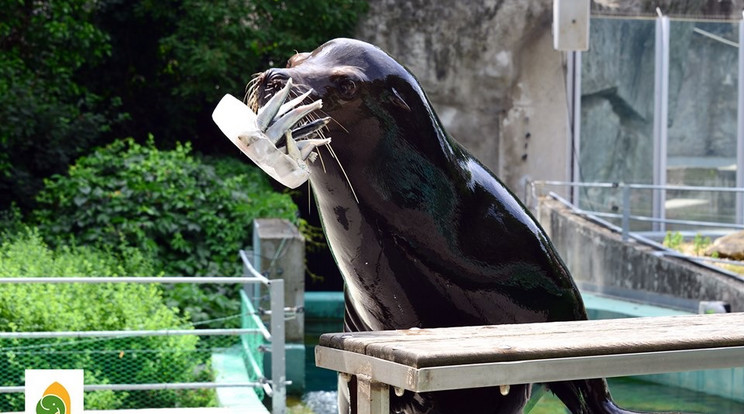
(636, 394)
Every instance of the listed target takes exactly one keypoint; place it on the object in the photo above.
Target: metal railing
(277, 337)
(625, 206)
(274, 387)
(625, 216)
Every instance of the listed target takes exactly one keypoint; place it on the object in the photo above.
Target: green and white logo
(55, 400)
(54, 391)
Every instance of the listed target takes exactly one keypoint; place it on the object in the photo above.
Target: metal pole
(373, 397)
(740, 128)
(661, 105)
(127, 334)
(255, 264)
(278, 357)
(136, 279)
(256, 247)
(145, 387)
(253, 291)
(626, 211)
(576, 124)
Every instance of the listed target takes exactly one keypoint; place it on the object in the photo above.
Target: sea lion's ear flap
(398, 101)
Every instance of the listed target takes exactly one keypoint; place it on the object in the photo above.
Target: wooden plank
(420, 348)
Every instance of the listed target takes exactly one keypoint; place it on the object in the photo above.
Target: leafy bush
(168, 203)
(76, 73)
(192, 216)
(49, 117)
(207, 42)
(82, 307)
(174, 60)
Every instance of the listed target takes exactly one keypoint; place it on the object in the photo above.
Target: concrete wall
(492, 75)
(498, 86)
(599, 259)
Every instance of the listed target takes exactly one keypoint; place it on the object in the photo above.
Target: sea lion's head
(374, 102)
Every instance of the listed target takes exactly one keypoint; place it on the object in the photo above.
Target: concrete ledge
(599, 257)
(230, 368)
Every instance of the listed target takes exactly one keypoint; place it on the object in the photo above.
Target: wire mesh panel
(139, 360)
(143, 356)
(252, 346)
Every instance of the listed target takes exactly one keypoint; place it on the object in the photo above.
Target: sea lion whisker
(334, 121)
(351, 187)
(322, 163)
(253, 81)
(248, 92)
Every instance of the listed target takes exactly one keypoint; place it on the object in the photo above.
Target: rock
(489, 69)
(730, 246)
(491, 73)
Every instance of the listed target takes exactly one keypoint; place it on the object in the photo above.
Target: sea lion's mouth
(308, 132)
(277, 128)
(266, 85)
(278, 136)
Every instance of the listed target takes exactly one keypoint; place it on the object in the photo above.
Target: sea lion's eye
(347, 88)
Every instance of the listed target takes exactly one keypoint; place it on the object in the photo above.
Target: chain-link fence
(137, 366)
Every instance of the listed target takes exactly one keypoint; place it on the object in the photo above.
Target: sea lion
(424, 235)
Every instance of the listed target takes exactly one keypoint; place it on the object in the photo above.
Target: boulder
(730, 246)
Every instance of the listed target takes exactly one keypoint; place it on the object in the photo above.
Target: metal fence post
(626, 211)
(278, 358)
(661, 114)
(256, 263)
(252, 290)
(740, 129)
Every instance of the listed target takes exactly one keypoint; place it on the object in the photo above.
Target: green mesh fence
(251, 344)
(136, 360)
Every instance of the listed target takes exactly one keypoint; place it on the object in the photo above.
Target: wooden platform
(451, 358)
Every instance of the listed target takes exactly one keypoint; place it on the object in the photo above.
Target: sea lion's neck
(353, 239)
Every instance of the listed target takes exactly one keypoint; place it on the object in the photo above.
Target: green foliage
(11, 221)
(213, 49)
(182, 56)
(77, 306)
(23, 253)
(74, 73)
(49, 117)
(168, 203)
(700, 243)
(697, 247)
(673, 240)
